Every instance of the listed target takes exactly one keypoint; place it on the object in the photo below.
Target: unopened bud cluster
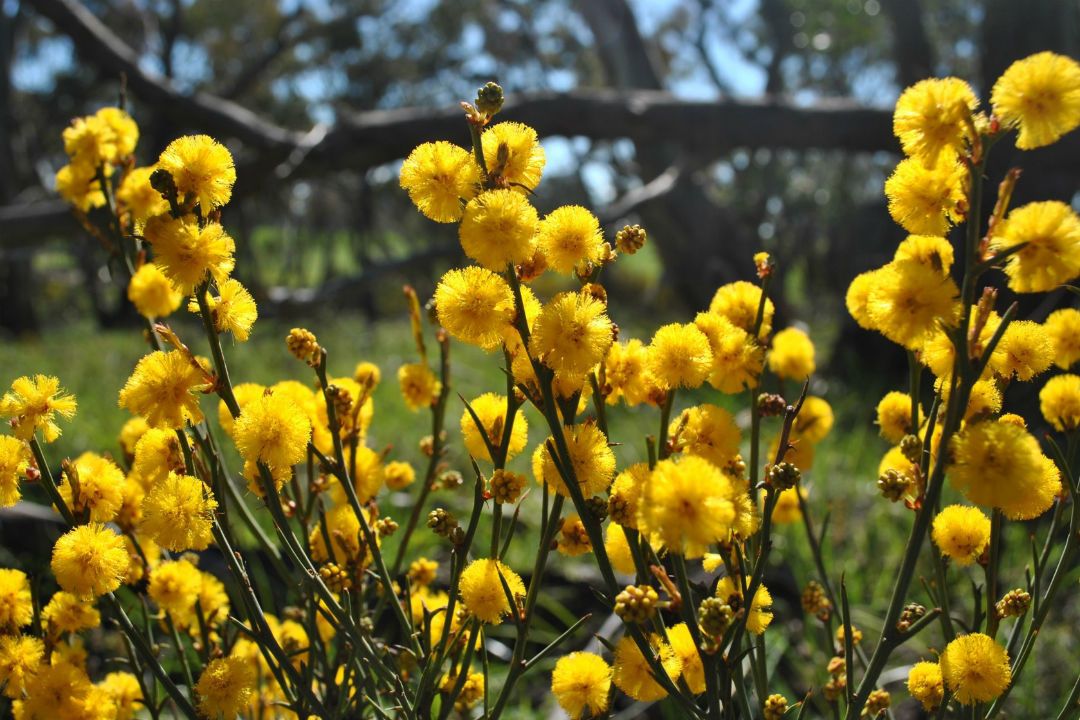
(303, 345)
(783, 475)
(506, 486)
(814, 601)
(715, 616)
(910, 613)
(1014, 604)
(877, 703)
(893, 484)
(775, 707)
(636, 604)
(630, 239)
(911, 448)
(598, 507)
(771, 405)
(442, 522)
(335, 577)
(385, 527)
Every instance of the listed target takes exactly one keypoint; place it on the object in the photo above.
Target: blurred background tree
(723, 127)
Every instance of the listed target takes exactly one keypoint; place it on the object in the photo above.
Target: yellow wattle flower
(1041, 95)
(202, 168)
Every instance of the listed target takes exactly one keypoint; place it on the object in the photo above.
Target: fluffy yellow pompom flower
(580, 682)
(738, 359)
(1001, 465)
(857, 296)
(626, 494)
(498, 228)
(202, 168)
(399, 475)
(367, 374)
(707, 431)
(1063, 327)
(130, 434)
(491, 409)
(67, 613)
(813, 423)
(572, 334)
(482, 590)
(160, 389)
(926, 684)
(439, 176)
(178, 513)
(156, 455)
(625, 374)
(419, 386)
(14, 459)
(16, 605)
(186, 253)
(934, 116)
(90, 142)
(513, 155)
(792, 354)
(346, 538)
(894, 416)
(231, 310)
(20, 658)
(961, 532)
(679, 356)
(924, 200)
(125, 692)
(1041, 94)
(225, 687)
(1059, 401)
(89, 560)
(738, 302)
(78, 185)
(634, 676)
(100, 484)
(152, 293)
(34, 404)
(787, 509)
(933, 251)
(139, 198)
(975, 668)
(693, 670)
(1025, 350)
(475, 306)
(174, 586)
(1052, 254)
(591, 458)
(760, 610)
(908, 301)
(273, 430)
(125, 132)
(570, 235)
(689, 505)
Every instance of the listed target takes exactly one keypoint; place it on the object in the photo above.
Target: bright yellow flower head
(14, 459)
(419, 386)
(787, 509)
(20, 658)
(813, 423)
(346, 538)
(125, 133)
(618, 549)
(1040, 94)
(679, 356)
(858, 295)
(760, 610)
(137, 196)
(125, 691)
(792, 355)
(933, 251)
(202, 168)
(498, 228)
(961, 532)
(482, 590)
(367, 374)
(975, 668)
(225, 687)
(78, 185)
(591, 458)
(186, 253)
(580, 682)
(491, 409)
(156, 455)
(1052, 254)
(160, 389)
(62, 690)
(439, 176)
(513, 154)
(130, 434)
(16, 606)
(924, 200)
(399, 475)
(634, 676)
(934, 117)
(475, 306)
(908, 301)
(926, 684)
(625, 373)
(739, 302)
(33, 405)
(1059, 401)
(1063, 327)
(572, 334)
(100, 487)
(174, 586)
(570, 235)
(152, 293)
(232, 310)
(689, 504)
(273, 430)
(693, 670)
(738, 359)
(894, 416)
(573, 537)
(1025, 350)
(708, 431)
(90, 141)
(89, 560)
(178, 513)
(68, 613)
(626, 494)
(1000, 464)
